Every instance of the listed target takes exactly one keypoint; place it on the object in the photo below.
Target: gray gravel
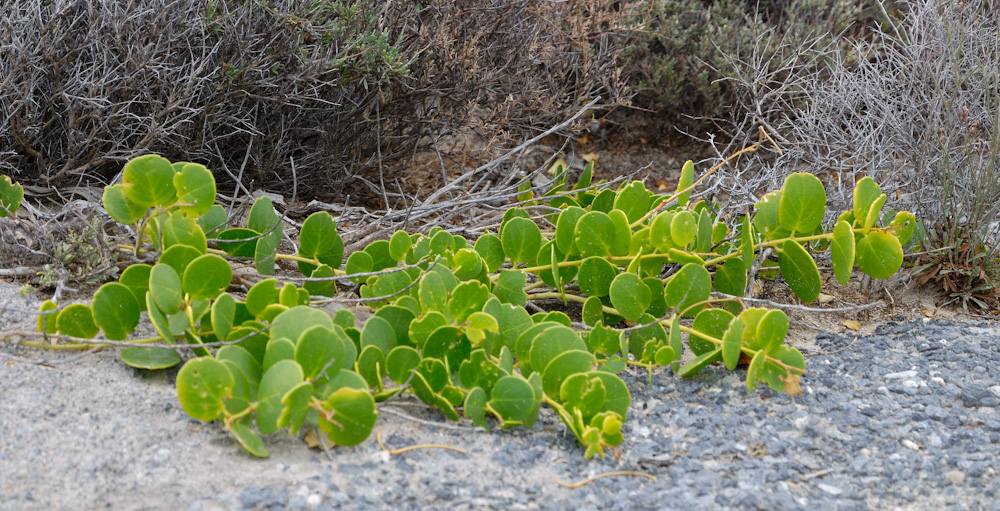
(904, 419)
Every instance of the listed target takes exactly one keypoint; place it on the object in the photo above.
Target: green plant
(449, 323)
(11, 195)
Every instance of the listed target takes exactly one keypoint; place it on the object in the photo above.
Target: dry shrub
(274, 94)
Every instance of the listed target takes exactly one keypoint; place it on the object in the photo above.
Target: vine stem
(589, 480)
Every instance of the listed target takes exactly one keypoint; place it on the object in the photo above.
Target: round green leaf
(802, 204)
(630, 296)
(213, 220)
(421, 328)
(358, 262)
(291, 323)
(552, 342)
(690, 285)
(512, 398)
(700, 362)
(115, 310)
(800, 272)
(467, 264)
(685, 182)
(400, 362)
(399, 245)
(594, 234)
(566, 228)
(447, 342)
(711, 322)
(321, 287)
(660, 236)
(595, 276)
(510, 287)
(148, 181)
(165, 288)
(318, 235)
(149, 358)
(371, 366)
(179, 229)
(47, 323)
(260, 295)
(623, 233)
(879, 254)
(238, 248)
(77, 321)
(731, 278)
(475, 407)
(179, 257)
(378, 332)
(136, 278)
(683, 228)
(319, 348)
(633, 200)
(617, 398)
(278, 379)
(664, 356)
(593, 311)
(195, 188)
(866, 192)
(379, 252)
(521, 240)
(842, 251)
(207, 277)
(352, 416)
(563, 366)
(467, 298)
(771, 329)
(296, 407)
(755, 371)
(491, 249)
(120, 207)
(244, 362)
(202, 385)
(904, 223)
(265, 221)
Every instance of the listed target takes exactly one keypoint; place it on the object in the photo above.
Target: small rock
(954, 476)
(939, 380)
(902, 375)
(977, 395)
(910, 444)
(832, 490)
(313, 500)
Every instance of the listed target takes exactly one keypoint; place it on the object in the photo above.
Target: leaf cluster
(450, 325)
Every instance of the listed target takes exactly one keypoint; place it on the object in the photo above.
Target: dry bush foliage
(285, 92)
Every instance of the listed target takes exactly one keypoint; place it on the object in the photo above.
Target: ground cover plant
(450, 323)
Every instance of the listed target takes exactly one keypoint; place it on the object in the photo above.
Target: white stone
(313, 500)
(902, 375)
(910, 444)
(832, 490)
(939, 380)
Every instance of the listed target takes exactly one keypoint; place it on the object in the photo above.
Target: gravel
(903, 419)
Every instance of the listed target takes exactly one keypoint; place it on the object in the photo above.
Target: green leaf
(565, 237)
(245, 363)
(207, 277)
(552, 342)
(321, 287)
(213, 220)
(260, 295)
(512, 320)
(237, 248)
(319, 236)
(399, 245)
(766, 220)
(467, 264)
(690, 285)
(630, 296)
(475, 407)
(595, 276)
(148, 181)
(842, 251)
(202, 385)
(879, 254)
(136, 278)
(400, 362)
(179, 257)
(593, 311)
(291, 323)
(149, 358)
(467, 298)
(700, 362)
(687, 179)
(747, 242)
(731, 278)
(771, 329)
(11, 195)
(799, 270)
(756, 370)
(703, 241)
(165, 288)
(195, 187)
(379, 252)
(617, 397)
(711, 322)
(664, 356)
(623, 233)
(521, 240)
(76, 320)
(278, 379)
(594, 234)
(371, 366)
(866, 192)
(905, 223)
(660, 236)
(179, 229)
(352, 416)
(120, 207)
(265, 221)
(378, 332)
(633, 200)
(777, 376)
(873, 214)
(296, 407)
(319, 348)
(563, 366)
(447, 342)
(653, 332)
(491, 249)
(583, 393)
(674, 338)
(115, 310)
(802, 203)
(732, 340)
(400, 319)
(512, 398)
(683, 228)
(510, 287)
